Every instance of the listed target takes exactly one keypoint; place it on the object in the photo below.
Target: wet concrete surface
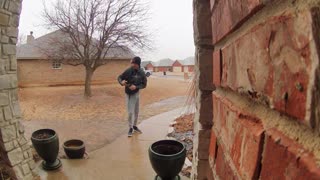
(123, 159)
(168, 102)
(99, 132)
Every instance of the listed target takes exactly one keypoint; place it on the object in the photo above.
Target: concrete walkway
(124, 159)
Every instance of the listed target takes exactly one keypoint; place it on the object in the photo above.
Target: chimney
(30, 38)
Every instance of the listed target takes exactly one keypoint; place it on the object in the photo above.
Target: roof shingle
(33, 50)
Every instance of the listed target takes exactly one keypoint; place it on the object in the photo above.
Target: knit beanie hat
(136, 60)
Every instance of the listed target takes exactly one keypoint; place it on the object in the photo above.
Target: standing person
(133, 79)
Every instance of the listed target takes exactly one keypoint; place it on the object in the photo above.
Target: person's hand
(124, 82)
(133, 87)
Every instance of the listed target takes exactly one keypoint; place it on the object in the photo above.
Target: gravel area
(183, 132)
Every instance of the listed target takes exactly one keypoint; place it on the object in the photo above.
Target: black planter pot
(167, 158)
(74, 149)
(46, 143)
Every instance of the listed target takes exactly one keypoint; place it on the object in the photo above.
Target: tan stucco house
(35, 69)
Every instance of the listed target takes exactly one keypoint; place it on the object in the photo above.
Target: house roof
(163, 63)
(32, 50)
(144, 63)
(188, 61)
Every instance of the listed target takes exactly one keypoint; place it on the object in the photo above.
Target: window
(56, 65)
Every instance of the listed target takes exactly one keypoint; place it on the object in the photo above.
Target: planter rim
(47, 139)
(73, 148)
(163, 155)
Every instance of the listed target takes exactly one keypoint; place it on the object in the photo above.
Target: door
(177, 69)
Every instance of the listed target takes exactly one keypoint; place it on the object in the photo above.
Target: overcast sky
(171, 22)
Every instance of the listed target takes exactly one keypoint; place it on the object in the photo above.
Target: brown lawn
(67, 103)
(101, 119)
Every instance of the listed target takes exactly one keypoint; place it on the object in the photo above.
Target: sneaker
(136, 129)
(130, 132)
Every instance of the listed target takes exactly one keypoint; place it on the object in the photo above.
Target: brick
(202, 169)
(274, 62)
(2, 3)
(212, 148)
(5, 82)
(204, 142)
(2, 116)
(29, 177)
(2, 67)
(8, 146)
(4, 99)
(202, 26)
(13, 63)
(22, 141)
(15, 156)
(25, 147)
(8, 81)
(4, 19)
(242, 137)
(7, 113)
(250, 151)
(286, 159)
(16, 109)
(217, 70)
(18, 172)
(9, 49)
(14, 94)
(15, 143)
(228, 14)
(32, 164)
(6, 64)
(14, 20)
(6, 5)
(205, 69)
(210, 175)
(205, 110)
(26, 155)
(8, 133)
(2, 124)
(223, 169)
(13, 41)
(4, 39)
(20, 127)
(315, 111)
(15, 7)
(25, 169)
(12, 32)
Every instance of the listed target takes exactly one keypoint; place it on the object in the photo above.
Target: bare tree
(94, 28)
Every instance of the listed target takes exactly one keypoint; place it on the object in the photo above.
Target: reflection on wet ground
(123, 159)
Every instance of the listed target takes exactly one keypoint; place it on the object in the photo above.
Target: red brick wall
(177, 63)
(266, 72)
(190, 68)
(40, 73)
(162, 69)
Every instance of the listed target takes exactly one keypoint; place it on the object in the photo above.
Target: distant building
(188, 64)
(164, 65)
(148, 65)
(177, 66)
(35, 69)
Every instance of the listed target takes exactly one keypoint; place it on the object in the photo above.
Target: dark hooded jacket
(133, 77)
